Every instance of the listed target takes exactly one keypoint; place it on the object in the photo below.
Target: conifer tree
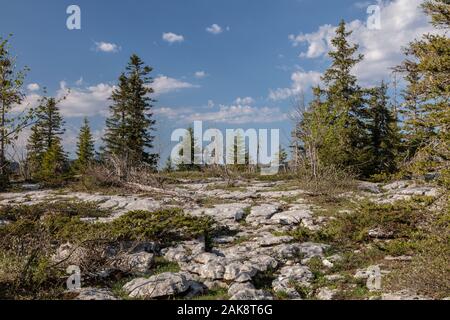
(427, 70)
(130, 124)
(344, 101)
(85, 147)
(383, 134)
(45, 141)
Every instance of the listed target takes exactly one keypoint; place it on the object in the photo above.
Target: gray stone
(212, 271)
(263, 263)
(326, 294)
(238, 287)
(94, 294)
(262, 213)
(300, 275)
(161, 285)
(223, 212)
(252, 294)
(177, 254)
(136, 263)
(293, 217)
(239, 272)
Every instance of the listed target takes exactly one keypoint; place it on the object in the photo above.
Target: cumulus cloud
(171, 37)
(401, 22)
(200, 74)
(106, 47)
(33, 87)
(94, 100)
(163, 84)
(214, 29)
(90, 101)
(246, 100)
(238, 113)
(301, 82)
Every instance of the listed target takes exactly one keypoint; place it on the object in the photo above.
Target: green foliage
(85, 148)
(29, 239)
(11, 94)
(46, 157)
(130, 124)
(426, 109)
(384, 135)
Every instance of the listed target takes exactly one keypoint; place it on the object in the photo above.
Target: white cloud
(33, 87)
(106, 47)
(214, 29)
(200, 74)
(163, 84)
(301, 82)
(401, 22)
(172, 37)
(237, 113)
(79, 82)
(94, 100)
(246, 101)
(91, 101)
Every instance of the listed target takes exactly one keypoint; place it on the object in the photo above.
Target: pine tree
(427, 69)
(130, 124)
(383, 134)
(54, 164)
(344, 101)
(45, 141)
(11, 124)
(85, 147)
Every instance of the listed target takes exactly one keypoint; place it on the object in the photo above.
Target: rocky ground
(257, 258)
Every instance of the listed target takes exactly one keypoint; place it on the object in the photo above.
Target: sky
(229, 63)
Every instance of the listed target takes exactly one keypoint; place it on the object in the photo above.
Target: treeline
(126, 142)
(349, 127)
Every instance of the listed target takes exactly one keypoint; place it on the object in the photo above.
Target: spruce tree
(383, 134)
(45, 141)
(427, 70)
(130, 124)
(85, 147)
(343, 100)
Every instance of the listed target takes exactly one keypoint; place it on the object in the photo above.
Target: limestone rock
(161, 285)
(252, 294)
(95, 294)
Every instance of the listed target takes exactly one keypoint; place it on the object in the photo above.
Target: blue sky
(231, 63)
